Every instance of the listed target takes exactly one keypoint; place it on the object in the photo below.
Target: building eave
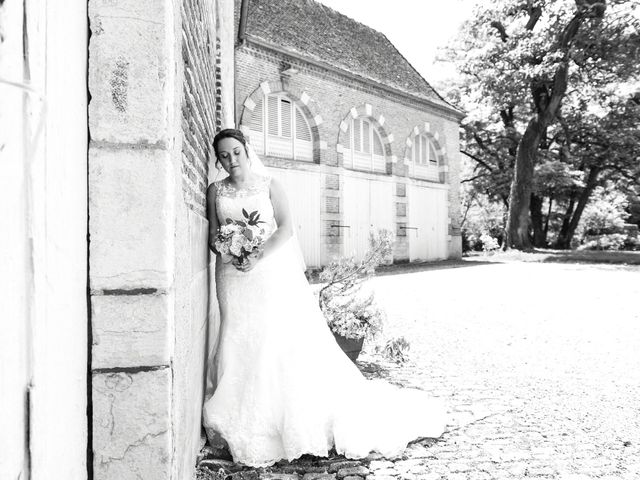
(260, 43)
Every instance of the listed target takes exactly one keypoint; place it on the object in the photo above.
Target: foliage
(511, 55)
(610, 241)
(347, 311)
(602, 226)
(489, 244)
(480, 215)
(397, 350)
(606, 213)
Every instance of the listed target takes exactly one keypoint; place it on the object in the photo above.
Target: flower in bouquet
(241, 238)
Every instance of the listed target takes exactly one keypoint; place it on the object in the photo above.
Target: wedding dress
(284, 386)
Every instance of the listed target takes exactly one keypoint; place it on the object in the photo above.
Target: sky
(416, 27)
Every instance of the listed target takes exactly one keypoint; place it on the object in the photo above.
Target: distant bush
(602, 225)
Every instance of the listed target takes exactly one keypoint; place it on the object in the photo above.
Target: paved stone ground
(539, 363)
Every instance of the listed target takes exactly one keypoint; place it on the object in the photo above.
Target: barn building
(360, 140)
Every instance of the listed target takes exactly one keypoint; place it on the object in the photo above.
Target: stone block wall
(332, 98)
(156, 71)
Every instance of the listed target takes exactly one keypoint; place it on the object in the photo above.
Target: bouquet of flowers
(241, 238)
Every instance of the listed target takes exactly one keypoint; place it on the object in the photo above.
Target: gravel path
(539, 363)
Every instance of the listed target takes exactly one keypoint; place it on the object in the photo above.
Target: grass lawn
(559, 256)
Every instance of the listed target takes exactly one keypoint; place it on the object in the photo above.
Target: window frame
(265, 123)
(374, 137)
(428, 165)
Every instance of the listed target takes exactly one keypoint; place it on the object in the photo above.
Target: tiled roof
(315, 31)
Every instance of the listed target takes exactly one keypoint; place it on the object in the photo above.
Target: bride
(284, 387)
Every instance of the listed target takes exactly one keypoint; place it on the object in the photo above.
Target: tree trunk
(592, 181)
(546, 222)
(520, 195)
(539, 237)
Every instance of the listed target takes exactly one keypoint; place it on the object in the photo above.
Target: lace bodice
(230, 201)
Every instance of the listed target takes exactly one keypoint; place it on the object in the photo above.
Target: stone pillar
(132, 85)
(160, 79)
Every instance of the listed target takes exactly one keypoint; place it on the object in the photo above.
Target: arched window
(363, 148)
(424, 159)
(280, 129)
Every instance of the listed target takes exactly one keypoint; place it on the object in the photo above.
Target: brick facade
(334, 97)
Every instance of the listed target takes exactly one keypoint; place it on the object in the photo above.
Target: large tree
(532, 73)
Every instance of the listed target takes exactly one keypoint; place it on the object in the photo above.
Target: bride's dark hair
(229, 133)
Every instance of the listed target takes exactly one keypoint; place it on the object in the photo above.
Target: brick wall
(332, 97)
(202, 82)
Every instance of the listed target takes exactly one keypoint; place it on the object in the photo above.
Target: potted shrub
(352, 316)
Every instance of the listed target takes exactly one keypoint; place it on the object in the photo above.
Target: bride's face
(233, 157)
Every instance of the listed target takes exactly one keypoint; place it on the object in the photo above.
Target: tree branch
(481, 162)
(501, 30)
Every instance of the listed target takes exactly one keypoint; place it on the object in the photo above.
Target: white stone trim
(394, 159)
(436, 135)
(353, 112)
(339, 148)
(266, 89)
(389, 138)
(304, 98)
(416, 131)
(249, 104)
(368, 109)
(323, 145)
(317, 120)
(381, 120)
(344, 126)
(427, 127)
(443, 168)
(408, 142)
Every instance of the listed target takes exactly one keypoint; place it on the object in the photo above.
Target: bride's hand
(249, 262)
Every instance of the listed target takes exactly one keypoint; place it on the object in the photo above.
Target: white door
(303, 193)
(368, 207)
(355, 221)
(427, 230)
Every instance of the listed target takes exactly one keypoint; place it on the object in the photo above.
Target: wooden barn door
(428, 222)
(367, 206)
(303, 192)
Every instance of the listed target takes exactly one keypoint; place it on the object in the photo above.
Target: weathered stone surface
(358, 470)
(131, 428)
(130, 330)
(280, 476)
(335, 466)
(318, 476)
(131, 219)
(130, 71)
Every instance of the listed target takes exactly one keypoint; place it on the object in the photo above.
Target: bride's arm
(212, 216)
(282, 216)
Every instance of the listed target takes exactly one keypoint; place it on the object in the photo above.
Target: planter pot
(350, 346)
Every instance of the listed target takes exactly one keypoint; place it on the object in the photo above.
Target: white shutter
(347, 137)
(377, 144)
(357, 136)
(433, 158)
(366, 137)
(285, 118)
(256, 128)
(272, 115)
(303, 132)
(255, 123)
